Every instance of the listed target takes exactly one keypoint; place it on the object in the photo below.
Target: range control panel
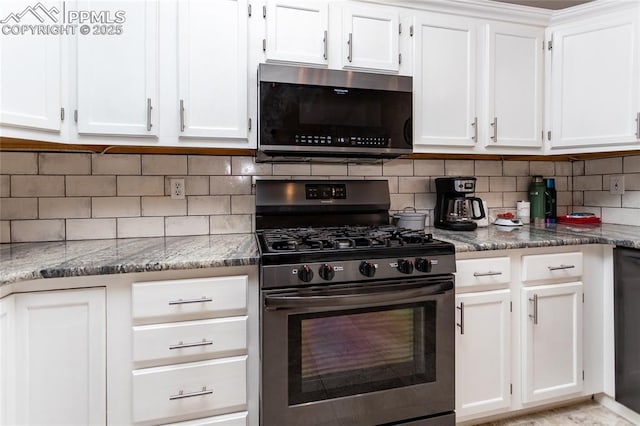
(364, 141)
(326, 191)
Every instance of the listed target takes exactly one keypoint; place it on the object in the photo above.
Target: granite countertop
(26, 261)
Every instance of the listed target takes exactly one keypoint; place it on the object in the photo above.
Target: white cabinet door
(515, 85)
(444, 81)
(370, 38)
(7, 370)
(30, 67)
(118, 71)
(60, 357)
(483, 352)
(297, 31)
(212, 68)
(552, 341)
(595, 82)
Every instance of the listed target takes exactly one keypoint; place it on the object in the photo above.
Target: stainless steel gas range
(357, 318)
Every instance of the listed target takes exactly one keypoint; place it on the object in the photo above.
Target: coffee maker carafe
(454, 209)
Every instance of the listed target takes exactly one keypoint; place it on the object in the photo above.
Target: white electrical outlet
(177, 189)
(616, 185)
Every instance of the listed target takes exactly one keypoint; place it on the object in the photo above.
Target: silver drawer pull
(557, 268)
(461, 323)
(203, 299)
(181, 345)
(535, 309)
(182, 395)
(486, 274)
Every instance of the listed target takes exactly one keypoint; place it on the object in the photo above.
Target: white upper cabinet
(297, 31)
(595, 82)
(514, 98)
(30, 68)
(370, 37)
(212, 68)
(117, 71)
(445, 68)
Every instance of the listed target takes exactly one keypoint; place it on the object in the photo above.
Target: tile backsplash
(69, 196)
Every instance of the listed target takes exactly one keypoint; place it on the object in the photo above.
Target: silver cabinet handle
(475, 129)
(638, 125)
(182, 395)
(203, 299)
(181, 115)
(535, 309)
(557, 268)
(181, 345)
(324, 42)
(461, 323)
(350, 43)
(486, 274)
(149, 108)
(495, 129)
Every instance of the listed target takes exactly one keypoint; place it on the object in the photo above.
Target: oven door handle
(291, 302)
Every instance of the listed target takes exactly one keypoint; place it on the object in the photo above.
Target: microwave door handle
(292, 302)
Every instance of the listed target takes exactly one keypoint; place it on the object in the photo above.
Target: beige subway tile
(564, 168)
(209, 165)
(37, 186)
(19, 163)
(502, 184)
(631, 199)
(246, 166)
(64, 208)
(564, 198)
(577, 198)
(578, 168)
(482, 184)
(493, 199)
(459, 168)
(231, 185)
(5, 231)
(5, 185)
(595, 210)
(587, 183)
(164, 164)
(632, 182)
(603, 166)
(243, 204)
(509, 199)
(329, 170)
(425, 201)
(18, 208)
(186, 225)
(631, 164)
(96, 186)
(488, 168)
(563, 210)
(543, 168)
(515, 168)
(621, 216)
(408, 185)
(115, 206)
(364, 169)
(193, 185)
(64, 164)
(284, 169)
(163, 206)
(349, 177)
(208, 205)
(522, 183)
(138, 227)
(602, 199)
(394, 182)
(400, 201)
(23, 231)
(428, 167)
(562, 183)
(115, 164)
(140, 185)
(230, 224)
(91, 229)
(398, 167)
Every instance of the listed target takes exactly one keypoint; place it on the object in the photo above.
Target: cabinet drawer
(189, 340)
(200, 388)
(235, 419)
(551, 266)
(189, 299)
(487, 271)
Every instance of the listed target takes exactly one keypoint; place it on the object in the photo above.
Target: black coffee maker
(454, 209)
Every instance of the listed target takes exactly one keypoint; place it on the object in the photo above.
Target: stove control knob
(405, 266)
(305, 273)
(368, 269)
(327, 272)
(423, 264)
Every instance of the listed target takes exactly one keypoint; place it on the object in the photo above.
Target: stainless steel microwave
(313, 112)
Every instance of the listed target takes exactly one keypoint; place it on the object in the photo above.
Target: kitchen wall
(58, 196)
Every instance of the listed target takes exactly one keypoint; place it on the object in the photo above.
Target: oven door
(358, 354)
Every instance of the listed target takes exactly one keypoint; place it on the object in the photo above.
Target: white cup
(523, 209)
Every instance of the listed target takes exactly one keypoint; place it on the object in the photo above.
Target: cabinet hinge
(264, 44)
(61, 114)
(399, 58)
(549, 135)
(411, 31)
(400, 28)
(75, 115)
(249, 10)
(550, 44)
(249, 123)
(264, 11)
(510, 306)
(510, 388)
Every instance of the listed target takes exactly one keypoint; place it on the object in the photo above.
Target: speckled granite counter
(25, 261)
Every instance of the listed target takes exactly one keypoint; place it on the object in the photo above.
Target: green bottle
(536, 198)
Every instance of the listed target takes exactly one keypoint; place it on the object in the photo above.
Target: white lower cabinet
(483, 352)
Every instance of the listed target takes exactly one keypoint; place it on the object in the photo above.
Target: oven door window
(341, 353)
